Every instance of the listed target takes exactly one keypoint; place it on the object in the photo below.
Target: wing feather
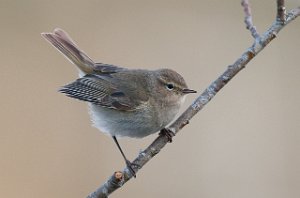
(97, 90)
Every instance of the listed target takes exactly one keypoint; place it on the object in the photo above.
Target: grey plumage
(123, 102)
(96, 90)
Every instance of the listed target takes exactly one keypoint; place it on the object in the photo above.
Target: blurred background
(244, 143)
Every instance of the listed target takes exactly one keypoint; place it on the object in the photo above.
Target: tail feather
(63, 43)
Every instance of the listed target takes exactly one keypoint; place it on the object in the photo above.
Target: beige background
(245, 143)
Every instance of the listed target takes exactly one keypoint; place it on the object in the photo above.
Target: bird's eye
(170, 86)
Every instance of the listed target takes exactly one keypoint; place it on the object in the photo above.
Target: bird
(123, 102)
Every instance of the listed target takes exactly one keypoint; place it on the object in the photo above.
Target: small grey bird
(123, 102)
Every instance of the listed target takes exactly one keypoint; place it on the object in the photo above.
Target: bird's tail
(63, 43)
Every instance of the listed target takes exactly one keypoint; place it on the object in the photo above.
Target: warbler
(123, 102)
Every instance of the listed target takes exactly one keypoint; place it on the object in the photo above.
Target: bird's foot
(168, 133)
(130, 166)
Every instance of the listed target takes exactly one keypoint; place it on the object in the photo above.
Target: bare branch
(113, 183)
(281, 11)
(248, 19)
(291, 15)
(118, 179)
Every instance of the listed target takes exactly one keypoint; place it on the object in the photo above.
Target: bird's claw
(130, 166)
(168, 133)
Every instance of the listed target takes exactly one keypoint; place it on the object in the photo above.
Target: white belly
(124, 123)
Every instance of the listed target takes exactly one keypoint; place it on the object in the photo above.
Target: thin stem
(281, 11)
(248, 19)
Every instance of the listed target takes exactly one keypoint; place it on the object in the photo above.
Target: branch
(248, 19)
(281, 11)
(118, 179)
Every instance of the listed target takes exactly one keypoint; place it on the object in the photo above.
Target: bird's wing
(99, 91)
(102, 68)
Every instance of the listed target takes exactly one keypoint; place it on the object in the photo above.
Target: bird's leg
(128, 163)
(168, 133)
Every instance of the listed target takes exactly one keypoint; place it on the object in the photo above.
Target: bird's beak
(187, 91)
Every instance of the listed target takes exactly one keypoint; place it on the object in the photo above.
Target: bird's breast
(136, 124)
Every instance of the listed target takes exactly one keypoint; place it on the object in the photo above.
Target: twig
(281, 11)
(292, 14)
(248, 19)
(118, 180)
